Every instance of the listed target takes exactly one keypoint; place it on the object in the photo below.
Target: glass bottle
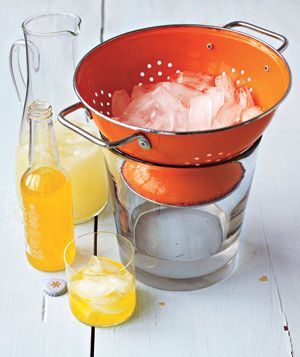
(46, 194)
(50, 42)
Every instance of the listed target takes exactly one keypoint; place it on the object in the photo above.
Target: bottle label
(33, 236)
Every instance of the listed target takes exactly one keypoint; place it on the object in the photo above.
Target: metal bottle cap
(56, 287)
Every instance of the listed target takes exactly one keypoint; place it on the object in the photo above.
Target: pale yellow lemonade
(102, 293)
(83, 161)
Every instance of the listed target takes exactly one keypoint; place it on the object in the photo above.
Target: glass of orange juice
(101, 278)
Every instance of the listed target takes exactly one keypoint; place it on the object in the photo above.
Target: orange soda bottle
(46, 195)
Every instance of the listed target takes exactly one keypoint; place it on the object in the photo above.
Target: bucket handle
(141, 139)
(262, 30)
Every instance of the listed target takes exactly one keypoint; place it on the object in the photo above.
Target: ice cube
(70, 143)
(180, 92)
(120, 101)
(181, 120)
(153, 110)
(91, 287)
(162, 120)
(165, 100)
(139, 111)
(110, 266)
(74, 139)
(243, 96)
(225, 83)
(231, 112)
(228, 115)
(217, 99)
(198, 81)
(165, 106)
(140, 90)
(250, 113)
(200, 115)
(122, 282)
(95, 266)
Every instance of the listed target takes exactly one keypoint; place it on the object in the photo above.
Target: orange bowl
(138, 57)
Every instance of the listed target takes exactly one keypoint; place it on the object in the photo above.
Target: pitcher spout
(52, 24)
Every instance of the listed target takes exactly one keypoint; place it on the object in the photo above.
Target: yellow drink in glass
(102, 300)
(85, 165)
(101, 287)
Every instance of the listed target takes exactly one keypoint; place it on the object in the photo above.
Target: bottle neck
(43, 146)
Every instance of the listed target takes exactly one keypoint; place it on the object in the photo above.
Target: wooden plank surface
(241, 316)
(30, 323)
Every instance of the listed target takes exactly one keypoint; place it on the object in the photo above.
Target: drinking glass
(101, 278)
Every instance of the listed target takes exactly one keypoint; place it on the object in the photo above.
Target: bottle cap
(56, 287)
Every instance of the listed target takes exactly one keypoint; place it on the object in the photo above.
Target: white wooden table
(241, 316)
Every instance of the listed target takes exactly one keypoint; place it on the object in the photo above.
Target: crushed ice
(100, 278)
(189, 102)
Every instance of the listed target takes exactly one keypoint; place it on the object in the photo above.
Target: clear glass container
(50, 41)
(184, 222)
(101, 278)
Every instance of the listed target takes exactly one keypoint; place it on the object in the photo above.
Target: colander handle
(141, 139)
(262, 30)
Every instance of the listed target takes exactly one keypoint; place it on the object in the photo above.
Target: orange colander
(152, 55)
(184, 186)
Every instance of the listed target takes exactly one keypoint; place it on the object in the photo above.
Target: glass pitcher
(50, 42)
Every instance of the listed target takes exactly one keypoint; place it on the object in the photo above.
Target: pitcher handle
(17, 76)
(262, 30)
(141, 139)
(15, 69)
